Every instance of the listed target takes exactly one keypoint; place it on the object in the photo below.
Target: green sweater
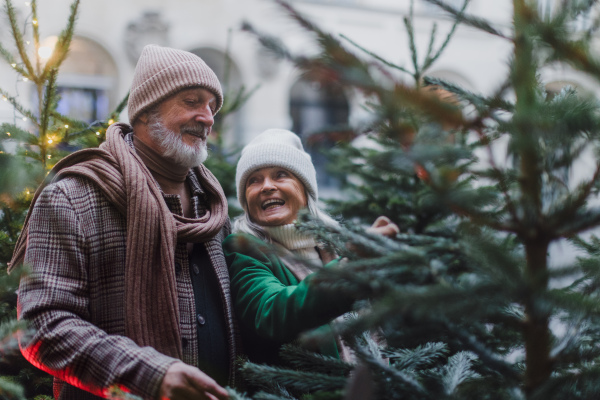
(272, 307)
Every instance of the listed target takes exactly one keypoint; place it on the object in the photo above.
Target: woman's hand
(384, 226)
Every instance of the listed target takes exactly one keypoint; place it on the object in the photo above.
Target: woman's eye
(282, 174)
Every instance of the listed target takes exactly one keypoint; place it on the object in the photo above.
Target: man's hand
(384, 226)
(184, 382)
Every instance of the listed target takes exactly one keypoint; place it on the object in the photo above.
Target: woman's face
(274, 196)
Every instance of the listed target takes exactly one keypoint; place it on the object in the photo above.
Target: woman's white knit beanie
(276, 148)
(163, 71)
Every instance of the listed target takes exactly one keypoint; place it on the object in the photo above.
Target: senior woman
(273, 294)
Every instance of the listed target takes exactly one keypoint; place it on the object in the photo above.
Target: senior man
(129, 286)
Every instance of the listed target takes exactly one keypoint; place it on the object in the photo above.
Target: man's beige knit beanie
(163, 71)
(276, 148)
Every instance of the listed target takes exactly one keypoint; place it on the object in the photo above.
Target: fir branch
(410, 30)
(407, 377)
(481, 103)
(7, 55)
(11, 390)
(48, 103)
(488, 357)
(375, 56)
(429, 61)
(566, 209)
(19, 40)
(25, 112)
(302, 359)
(574, 53)
(36, 36)
(422, 356)
(267, 376)
(458, 370)
(582, 221)
(119, 109)
(428, 54)
(468, 19)
(61, 48)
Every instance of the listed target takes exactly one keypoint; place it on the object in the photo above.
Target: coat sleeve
(264, 299)
(54, 299)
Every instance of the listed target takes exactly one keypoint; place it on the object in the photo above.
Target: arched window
(86, 81)
(317, 111)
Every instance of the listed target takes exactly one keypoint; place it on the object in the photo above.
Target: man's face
(179, 126)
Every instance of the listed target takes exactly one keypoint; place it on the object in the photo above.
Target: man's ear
(143, 118)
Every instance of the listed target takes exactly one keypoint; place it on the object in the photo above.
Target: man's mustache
(200, 130)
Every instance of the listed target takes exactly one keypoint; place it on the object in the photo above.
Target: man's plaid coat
(75, 297)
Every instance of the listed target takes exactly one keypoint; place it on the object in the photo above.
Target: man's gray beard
(172, 145)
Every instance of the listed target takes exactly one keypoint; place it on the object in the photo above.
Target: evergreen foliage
(29, 149)
(465, 297)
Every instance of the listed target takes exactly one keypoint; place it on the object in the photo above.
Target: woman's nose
(268, 185)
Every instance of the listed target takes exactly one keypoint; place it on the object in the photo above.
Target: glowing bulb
(24, 118)
(14, 65)
(28, 192)
(111, 121)
(44, 52)
(49, 140)
(34, 21)
(25, 79)
(97, 133)
(28, 42)
(49, 156)
(8, 133)
(4, 98)
(27, 3)
(67, 126)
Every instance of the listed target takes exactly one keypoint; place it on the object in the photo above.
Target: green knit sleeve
(269, 299)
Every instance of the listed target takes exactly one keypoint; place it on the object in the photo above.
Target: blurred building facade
(111, 33)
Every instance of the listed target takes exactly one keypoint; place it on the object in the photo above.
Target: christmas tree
(29, 147)
(465, 298)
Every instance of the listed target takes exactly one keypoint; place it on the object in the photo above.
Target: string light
(8, 133)
(97, 133)
(49, 156)
(25, 79)
(4, 98)
(24, 118)
(28, 42)
(49, 140)
(34, 21)
(14, 65)
(27, 3)
(67, 126)
(44, 52)
(28, 192)
(111, 121)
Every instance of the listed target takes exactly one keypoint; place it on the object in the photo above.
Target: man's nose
(204, 114)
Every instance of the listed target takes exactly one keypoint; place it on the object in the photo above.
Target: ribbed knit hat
(162, 71)
(276, 148)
